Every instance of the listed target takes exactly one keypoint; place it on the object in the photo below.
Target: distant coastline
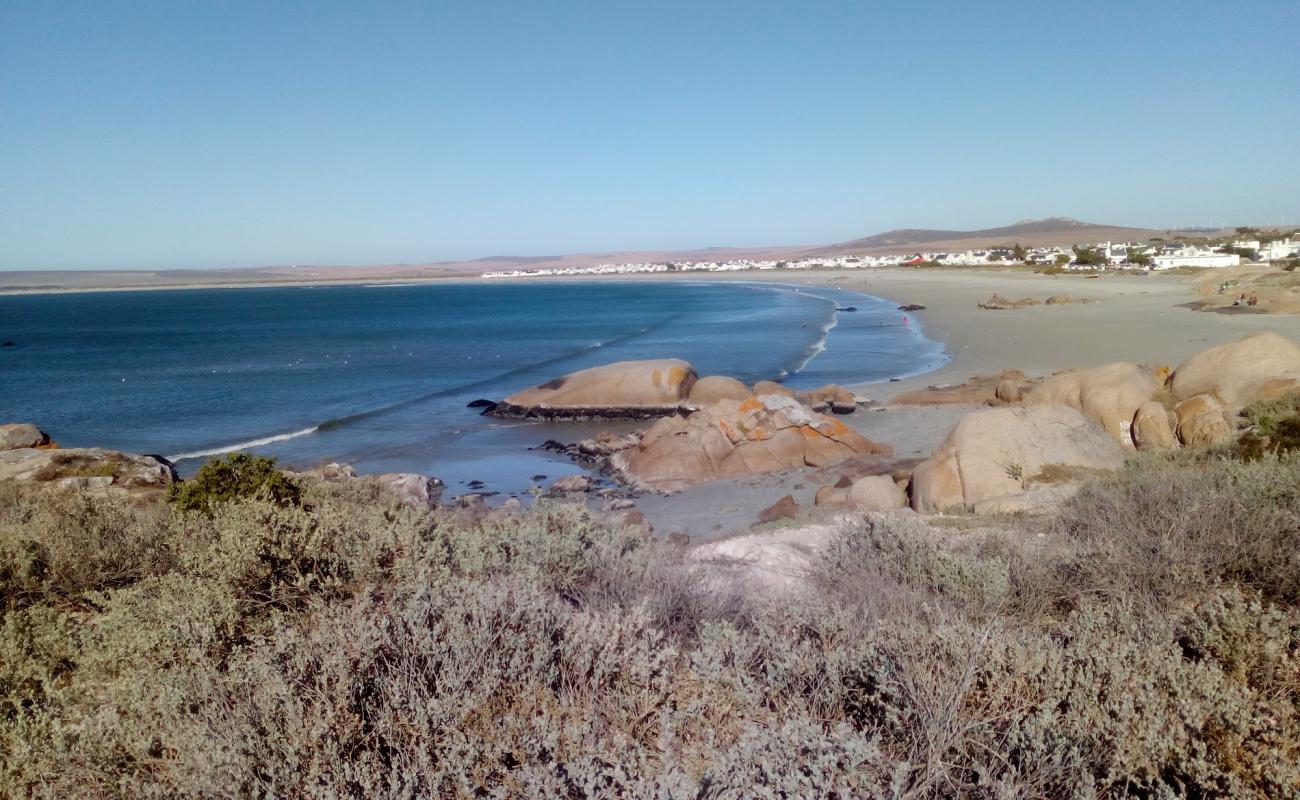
(1049, 232)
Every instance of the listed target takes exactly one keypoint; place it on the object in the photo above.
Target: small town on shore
(1251, 246)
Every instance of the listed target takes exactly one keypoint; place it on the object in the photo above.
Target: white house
(1278, 250)
(1115, 254)
(1192, 256)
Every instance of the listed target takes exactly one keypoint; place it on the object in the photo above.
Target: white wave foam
(218, 451)
(819, 346)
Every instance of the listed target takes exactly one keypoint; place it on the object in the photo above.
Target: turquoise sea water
(380, 376)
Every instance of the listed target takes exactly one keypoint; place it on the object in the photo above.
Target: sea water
(380, 376)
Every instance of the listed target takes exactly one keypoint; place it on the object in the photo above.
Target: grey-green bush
(1146, 644)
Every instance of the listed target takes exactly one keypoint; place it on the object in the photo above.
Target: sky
(188, 133)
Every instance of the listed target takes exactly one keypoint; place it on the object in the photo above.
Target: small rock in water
(486, 405)
(571, 484)
(476, 484)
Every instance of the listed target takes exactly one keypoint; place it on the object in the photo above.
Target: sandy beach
(1128, 318)
(1136, 318)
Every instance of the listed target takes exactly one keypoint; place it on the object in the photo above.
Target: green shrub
(1265, 415)
(236, 476)
(1273, 428)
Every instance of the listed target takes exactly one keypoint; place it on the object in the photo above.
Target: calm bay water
(379, 376)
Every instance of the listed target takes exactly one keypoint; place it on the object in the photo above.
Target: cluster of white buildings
(735, 265)
(1121, 255)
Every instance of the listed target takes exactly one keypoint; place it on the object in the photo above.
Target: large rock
(1152, 427)
(710, 389)
(1203, 421)
(88, 467)
(413, 490)
(20, 434)
(1003, 452)
(1260, 366)
(772, 387)
(876, 493)
(635, 389)
(1109, 395)
(765, 433)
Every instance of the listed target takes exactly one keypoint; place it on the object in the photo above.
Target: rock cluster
(1006, 386)
(85, 468)
(1261, 366)
(998, 303)
(1109, 395)
(764, 433)
(830, 398)
(412, 490)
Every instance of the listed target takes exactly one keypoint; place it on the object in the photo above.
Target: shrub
(1167, 528)
(236, 476)
(1147, 643)
(1273, 428)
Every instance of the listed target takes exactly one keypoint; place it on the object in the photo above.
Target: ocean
(379, 376)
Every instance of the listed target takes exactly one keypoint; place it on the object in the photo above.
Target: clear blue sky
(196, 134)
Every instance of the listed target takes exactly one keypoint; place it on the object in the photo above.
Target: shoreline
(1126, 318)
(1140, 319)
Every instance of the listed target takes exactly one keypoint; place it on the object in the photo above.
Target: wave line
(818, 347)
(265, 440)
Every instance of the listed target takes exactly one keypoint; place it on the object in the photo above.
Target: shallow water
(379, 376)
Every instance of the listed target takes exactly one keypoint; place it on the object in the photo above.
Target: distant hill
(1049, 231)
(1030, 233)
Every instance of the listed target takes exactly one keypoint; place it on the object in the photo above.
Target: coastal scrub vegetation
(240, 475)
(1146, 642)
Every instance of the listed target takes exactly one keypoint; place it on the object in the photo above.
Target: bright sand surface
(1129, 318)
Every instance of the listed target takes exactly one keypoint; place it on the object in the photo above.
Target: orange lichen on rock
(733, 438)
